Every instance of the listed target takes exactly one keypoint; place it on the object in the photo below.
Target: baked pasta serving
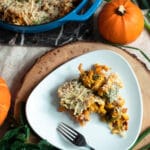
(97, 90)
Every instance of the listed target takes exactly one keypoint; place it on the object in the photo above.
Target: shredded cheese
(31, 12)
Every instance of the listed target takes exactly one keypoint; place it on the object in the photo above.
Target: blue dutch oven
(72, 16)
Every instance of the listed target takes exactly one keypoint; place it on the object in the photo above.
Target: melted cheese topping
(74, 96)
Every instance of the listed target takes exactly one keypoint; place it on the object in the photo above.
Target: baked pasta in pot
(33, 12)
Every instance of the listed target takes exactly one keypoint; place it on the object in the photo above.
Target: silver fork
(73, 136)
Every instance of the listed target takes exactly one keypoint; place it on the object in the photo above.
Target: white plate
(42, 104)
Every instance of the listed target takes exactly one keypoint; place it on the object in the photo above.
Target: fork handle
(89, 147)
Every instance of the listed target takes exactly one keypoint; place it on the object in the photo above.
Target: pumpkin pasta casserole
(78, 100)
(33, 12)
(97, 90)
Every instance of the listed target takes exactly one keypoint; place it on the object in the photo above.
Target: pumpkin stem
(121, 10)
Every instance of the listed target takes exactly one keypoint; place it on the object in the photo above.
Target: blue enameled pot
(74, 15)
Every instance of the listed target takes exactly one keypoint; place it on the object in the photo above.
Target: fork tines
(67, 131)
(72, 135)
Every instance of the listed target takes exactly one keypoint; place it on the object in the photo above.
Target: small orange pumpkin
(5, 100)
(120, 21)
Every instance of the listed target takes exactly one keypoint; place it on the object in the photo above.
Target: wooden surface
(52, 59)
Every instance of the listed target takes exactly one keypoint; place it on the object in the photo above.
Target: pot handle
(75, 16)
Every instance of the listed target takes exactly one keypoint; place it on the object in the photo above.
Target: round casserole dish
(74, 15)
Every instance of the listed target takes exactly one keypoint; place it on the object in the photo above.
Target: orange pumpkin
(5, 100)
(120, 21)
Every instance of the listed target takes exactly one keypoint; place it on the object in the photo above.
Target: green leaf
(16, 145)
(27, 146)
(46, 145)
(19, 135)
(143, 4)
(18, 139)
(148, 14)
(147, 20)
(15, 133)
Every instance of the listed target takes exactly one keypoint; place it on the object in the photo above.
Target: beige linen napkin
(15, 62)
(143, 43)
